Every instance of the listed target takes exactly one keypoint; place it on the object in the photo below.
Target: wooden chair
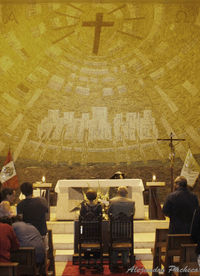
(188, 262)
(8, 269)
(90, 244)
(50, 266)
(121, 237)
(159, 248)
(25, 256)
(173, 251)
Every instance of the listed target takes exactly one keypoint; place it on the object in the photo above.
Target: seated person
(7, 197)
(8, 240)
(29, 236)
(91, 208)
(121, 204)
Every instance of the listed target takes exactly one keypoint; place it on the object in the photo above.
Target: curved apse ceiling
(83, 82)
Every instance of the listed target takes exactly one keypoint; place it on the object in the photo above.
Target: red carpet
(73, 270)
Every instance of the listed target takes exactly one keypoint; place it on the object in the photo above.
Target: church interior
(91, 87)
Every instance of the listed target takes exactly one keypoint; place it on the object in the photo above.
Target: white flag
(190, 169)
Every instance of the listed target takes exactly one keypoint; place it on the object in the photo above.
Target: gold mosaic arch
(98, 81)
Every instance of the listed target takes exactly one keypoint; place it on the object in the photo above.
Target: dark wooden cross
(98, 24)
(172, 156)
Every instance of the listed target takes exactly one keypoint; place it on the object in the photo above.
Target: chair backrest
(121, 229)
(161, 237)
(91, 212)
(25, 256)
(173, 249)
(8, 269)
(174, 242)
(189, 257)
(90, 231)
(159, 247)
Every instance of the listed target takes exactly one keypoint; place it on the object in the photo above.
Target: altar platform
(144, 236)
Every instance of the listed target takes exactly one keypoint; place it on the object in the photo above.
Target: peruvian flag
(8, 174)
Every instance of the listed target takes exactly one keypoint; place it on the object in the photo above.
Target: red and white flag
(8, 174)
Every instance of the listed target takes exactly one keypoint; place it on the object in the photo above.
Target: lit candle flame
(154, 178)
(43, 179)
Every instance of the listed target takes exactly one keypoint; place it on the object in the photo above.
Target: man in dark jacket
(179, 207)
(33, 209)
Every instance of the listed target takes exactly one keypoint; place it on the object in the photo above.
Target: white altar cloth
(64, 204)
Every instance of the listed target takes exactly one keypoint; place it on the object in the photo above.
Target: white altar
(69, 195)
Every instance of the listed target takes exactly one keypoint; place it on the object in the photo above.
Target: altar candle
(153, 177)
(43, 179)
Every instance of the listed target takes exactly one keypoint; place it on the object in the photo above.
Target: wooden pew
(8, 269)
(159, 248)
(173, 251)
(189, 260)
(25, 256)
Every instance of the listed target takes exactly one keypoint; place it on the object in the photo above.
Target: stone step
(143, 254)
(63, 241)
(64, 255)
(64, 246)
(140, 226)
(66, 241)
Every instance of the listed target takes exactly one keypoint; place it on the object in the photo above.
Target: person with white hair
(121, 204)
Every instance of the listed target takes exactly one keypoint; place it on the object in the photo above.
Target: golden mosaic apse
(99, 81)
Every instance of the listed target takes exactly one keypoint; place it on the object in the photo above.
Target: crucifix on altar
(98, 24)
(171, 156)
